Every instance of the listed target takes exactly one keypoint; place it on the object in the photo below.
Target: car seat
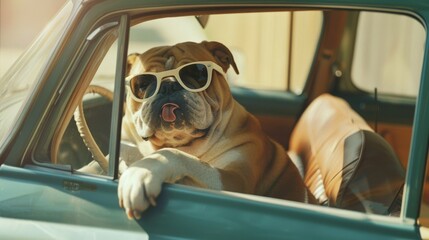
(344, 163)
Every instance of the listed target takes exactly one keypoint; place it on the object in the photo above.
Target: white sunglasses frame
(160, 76)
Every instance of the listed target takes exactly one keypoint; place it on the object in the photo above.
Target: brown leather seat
(345, 164)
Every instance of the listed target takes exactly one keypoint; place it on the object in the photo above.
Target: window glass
(388, 53)
(87, 134)
(268, 47)
(270, 50)
(306, 32)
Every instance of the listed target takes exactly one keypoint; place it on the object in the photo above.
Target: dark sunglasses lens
(143, 86)
(194, 76)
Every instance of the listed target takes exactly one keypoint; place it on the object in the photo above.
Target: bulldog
(190, 130)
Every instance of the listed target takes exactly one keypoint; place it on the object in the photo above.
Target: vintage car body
(40, 200)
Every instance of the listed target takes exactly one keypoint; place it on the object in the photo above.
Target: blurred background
(20, 22)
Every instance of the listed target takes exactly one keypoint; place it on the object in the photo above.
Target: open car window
(400, 47)
(278, 65)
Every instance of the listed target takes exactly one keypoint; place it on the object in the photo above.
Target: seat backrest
(346, 164)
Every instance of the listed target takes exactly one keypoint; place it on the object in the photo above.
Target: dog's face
(163, 110)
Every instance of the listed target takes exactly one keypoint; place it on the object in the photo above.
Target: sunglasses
(194, 77)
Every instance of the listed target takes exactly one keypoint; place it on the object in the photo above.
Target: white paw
(137, 190)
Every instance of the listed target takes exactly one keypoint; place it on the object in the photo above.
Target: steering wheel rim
(83, 128)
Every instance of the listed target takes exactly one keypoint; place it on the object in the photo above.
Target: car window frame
(88, 53)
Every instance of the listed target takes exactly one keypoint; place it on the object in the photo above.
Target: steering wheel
(84, 131)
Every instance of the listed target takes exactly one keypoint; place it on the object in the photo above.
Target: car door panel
(44, 194)
(83, 201)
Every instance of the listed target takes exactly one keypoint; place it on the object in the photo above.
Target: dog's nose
(169, 85)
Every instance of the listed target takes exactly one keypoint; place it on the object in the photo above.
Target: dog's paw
(137, 190)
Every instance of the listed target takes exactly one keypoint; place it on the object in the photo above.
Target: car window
(265, 60)
(263, 52)
(396, 54)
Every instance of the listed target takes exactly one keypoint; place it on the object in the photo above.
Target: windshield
(19, 81)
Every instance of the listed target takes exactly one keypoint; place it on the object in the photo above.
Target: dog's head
(168, 95)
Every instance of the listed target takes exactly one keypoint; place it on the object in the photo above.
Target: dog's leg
(141, 183)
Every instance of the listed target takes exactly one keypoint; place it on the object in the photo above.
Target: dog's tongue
(168, 112)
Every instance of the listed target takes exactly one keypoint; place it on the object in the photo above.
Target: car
(314, 73)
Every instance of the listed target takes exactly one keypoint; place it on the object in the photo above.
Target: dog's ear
(130, 61)
(222, 55)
